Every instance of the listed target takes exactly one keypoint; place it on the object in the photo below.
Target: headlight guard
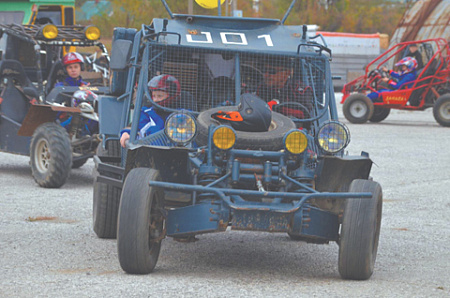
(224, 137)
(333, 137)
(180, 127)
(295, 141)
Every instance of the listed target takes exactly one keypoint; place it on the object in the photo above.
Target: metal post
(167, 8)
(191, 7)
(288, 11)
(219, 9)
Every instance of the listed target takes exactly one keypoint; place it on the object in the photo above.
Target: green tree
(353, 16)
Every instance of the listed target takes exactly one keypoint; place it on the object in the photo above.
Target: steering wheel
(251, 78)
(292, 105)
(376, 77)
(373, 73)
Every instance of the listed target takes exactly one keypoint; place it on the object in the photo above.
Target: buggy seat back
(13, 69)
(425, 78)
(56, 74)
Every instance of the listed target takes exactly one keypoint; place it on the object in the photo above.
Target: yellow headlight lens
(296, 142)
(50, 31)
(92, 33)
(224, 137)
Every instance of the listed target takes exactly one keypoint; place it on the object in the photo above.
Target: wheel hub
(445, 111)
(42, 159)
(358, 109)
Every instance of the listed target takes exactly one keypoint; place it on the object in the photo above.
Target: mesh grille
(209, 78)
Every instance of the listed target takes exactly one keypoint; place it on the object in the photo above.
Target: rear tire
(50, 155)
(141, 223)
(441, 110)
(379, 114)
(106, 198)
(360, 231)
(358, 108)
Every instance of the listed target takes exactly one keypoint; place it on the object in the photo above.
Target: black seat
(56, 74)
(220, 92)
(416, 95)
(14, 70)
(15, 103)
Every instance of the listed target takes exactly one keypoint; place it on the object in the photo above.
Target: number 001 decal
(225, 36)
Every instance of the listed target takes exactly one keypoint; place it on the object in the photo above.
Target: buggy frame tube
(224, 194)
(167, 8)
(288, 12)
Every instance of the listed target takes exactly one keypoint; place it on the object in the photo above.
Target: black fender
(172, 164)
(334, 174)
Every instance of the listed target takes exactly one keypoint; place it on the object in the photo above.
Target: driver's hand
(385, 79)
(124, 139)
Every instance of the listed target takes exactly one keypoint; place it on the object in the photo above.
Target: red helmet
(166, 83)
(71, 58)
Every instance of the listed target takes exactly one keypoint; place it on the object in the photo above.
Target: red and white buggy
(431, 89)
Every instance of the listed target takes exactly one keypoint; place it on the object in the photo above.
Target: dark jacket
(69, 81)
(416, 55)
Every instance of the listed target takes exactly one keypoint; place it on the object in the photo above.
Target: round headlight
(333, 137)
(224, 137)
(180, 128)
(296, 142)
(92, 33)
(50, 31)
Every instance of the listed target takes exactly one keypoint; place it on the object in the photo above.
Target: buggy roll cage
(148, 36)
(67, 36)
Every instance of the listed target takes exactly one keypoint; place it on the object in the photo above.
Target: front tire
(141, 223)
(106, 198)
(441, 110)
(358, 108)
(360, 231)
(50, 155)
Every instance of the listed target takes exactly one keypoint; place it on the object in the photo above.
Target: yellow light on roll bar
(50, 31)
(92, 33)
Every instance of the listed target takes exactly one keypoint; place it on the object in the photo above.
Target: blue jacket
(149, 122)
(403, 79)
(69, 81)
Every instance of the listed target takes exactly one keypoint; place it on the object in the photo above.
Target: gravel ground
(48, 247)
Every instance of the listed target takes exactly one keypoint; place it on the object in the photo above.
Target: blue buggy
(201, 175)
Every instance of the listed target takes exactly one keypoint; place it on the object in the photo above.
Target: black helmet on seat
(252, 114)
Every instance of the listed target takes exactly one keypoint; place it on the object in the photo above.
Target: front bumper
(227, 207)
